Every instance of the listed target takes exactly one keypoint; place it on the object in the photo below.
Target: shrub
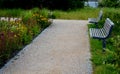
(109, 62)
(110, 3)
(105, 69)
(63, 4)
(52, 4)
(11, 12)
(114, 15)
(43, 21)
(116, 43)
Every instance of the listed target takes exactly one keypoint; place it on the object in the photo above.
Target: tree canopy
(52, 4)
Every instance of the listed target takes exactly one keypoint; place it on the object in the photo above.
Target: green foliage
(116, 43)
(114, 15)
(43, 21)
(19, 3)
(14, 35)
(108, 62)
(77, 14)
(56, 4)
(103, 63)
(26, 15)
(110, 3)
(11, 12)
(52, 4)
(105, 69)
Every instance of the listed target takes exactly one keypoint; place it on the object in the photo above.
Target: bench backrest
(100, 15)
(108, 25)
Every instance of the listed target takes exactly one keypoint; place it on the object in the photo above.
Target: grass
(100, 59)
(77, 14)
(11, 12)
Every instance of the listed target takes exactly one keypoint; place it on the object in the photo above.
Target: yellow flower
(33, 15)
(44, 19)
(41, 16)
(15, 35)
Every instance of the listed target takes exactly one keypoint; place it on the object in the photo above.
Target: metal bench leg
(104, 45)
(96, 25)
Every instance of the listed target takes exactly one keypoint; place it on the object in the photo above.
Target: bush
(52, 4)
(113, 14)
(63, 4)
(105, 69)
(11, 12)
(14, 35)
(110, 3)
(108, 62)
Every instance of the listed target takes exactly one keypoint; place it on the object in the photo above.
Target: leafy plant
(105, 69)
(11, 12)
(14, 35)
(110, 3)
(108, 62)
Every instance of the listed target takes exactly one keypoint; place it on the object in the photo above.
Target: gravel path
(62, 48)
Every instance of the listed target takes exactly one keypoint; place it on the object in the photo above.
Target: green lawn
(82, 14)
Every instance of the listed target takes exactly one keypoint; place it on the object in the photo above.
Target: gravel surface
(62, 48)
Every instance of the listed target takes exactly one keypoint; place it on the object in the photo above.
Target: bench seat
(97, 33)
(93, 20)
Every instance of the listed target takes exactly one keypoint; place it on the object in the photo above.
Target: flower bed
(14, 35)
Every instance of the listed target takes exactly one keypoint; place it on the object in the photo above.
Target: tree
(52, 4)
(63, 4)
(110, 3)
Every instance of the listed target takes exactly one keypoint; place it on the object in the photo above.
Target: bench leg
(96, 25)
(104, 45)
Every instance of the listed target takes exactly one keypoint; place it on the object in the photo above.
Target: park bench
(96, 20)
(102, 33)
